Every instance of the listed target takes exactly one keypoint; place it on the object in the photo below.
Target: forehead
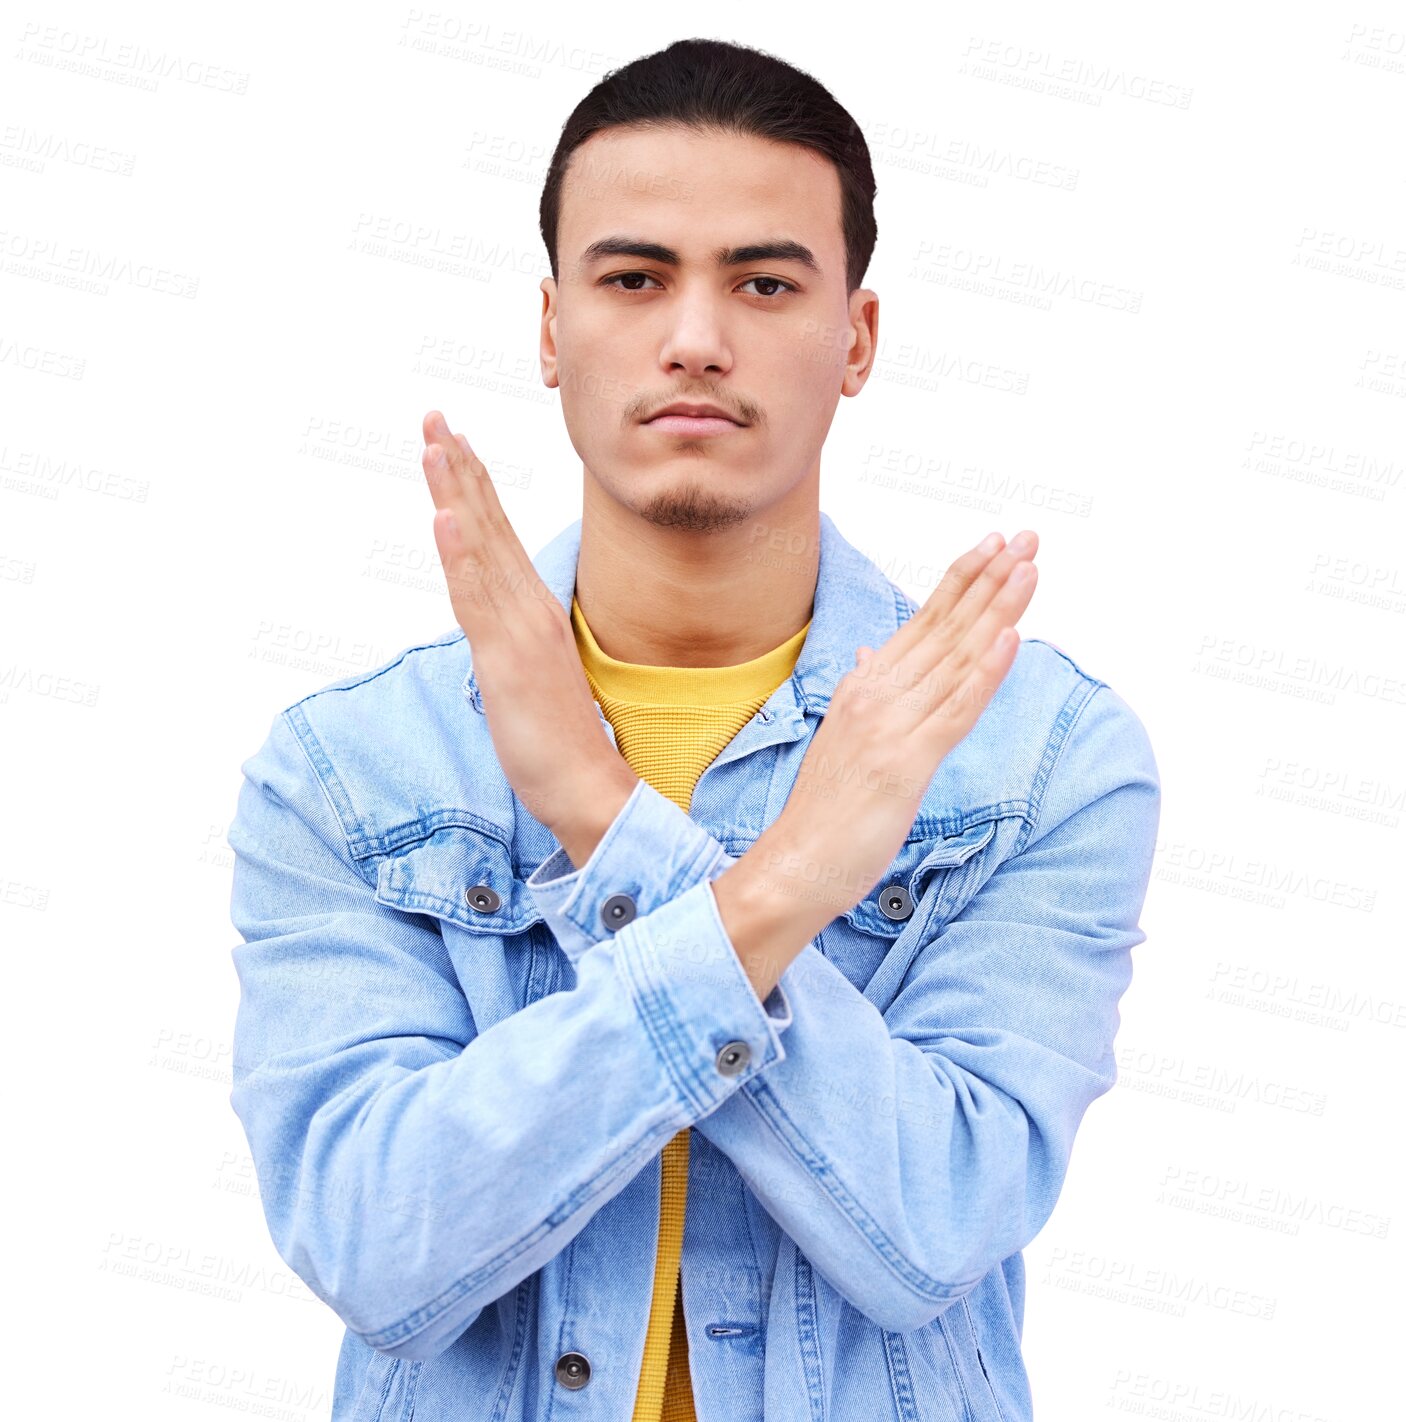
(697, 191)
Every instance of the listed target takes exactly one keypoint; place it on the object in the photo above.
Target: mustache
(744, 411)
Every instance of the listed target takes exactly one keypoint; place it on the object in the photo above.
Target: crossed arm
(908, 1152)
(414, 1168)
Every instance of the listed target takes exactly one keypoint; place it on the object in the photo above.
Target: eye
(775, 281)
(624, 276)
(630, 276)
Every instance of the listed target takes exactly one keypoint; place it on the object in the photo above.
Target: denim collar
(855, 605)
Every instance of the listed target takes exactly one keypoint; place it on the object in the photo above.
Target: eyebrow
(783, 251)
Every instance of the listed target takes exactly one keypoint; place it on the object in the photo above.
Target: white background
(211, 503)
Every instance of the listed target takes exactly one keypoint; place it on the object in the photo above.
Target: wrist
(790, 884)
(599, 798)
(767, 922)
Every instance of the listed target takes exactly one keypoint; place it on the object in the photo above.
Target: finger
(461, 471)
(950, 587)
(948, 680)
(961, 595)
(458, 479)
(488, 548)
(482, 557)
(1004, 611)
(474, 479)
(466, 590)
(968, 601)
(479, 535)
(954, 717)
(954, 583)
(947, 633)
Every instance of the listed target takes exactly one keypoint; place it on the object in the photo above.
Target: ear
(548, 351)
(864, 347)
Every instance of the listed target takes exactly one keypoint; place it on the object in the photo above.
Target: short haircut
(712, 85)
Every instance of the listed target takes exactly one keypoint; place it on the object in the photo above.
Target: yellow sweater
(670, 724)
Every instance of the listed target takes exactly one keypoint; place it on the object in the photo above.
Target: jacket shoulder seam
(1070, 713)
(326, 779)
(1064, 656)
(366, 678)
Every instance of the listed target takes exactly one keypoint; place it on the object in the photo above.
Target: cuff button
(733, 1058)
(617, 911)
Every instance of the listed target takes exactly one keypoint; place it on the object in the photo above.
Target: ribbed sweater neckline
(639, 684)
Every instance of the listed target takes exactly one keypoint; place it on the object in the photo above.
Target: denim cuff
(651, 852)
(697, 1000)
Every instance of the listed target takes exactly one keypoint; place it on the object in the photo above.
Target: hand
(890, 723)
(541, 714)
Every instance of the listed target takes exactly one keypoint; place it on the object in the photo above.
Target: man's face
(770, 339)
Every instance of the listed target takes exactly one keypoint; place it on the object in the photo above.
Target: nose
(695, 342)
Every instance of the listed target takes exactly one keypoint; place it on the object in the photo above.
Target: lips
(684, 410)
(693, 425)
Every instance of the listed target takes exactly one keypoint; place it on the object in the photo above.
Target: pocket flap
(914, 867)
(438, 875)
(950, 851)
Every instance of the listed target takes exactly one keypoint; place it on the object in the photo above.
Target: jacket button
(733, 1058)
(895, 902)
(573, 1370)
(617, 911)
(482, 899)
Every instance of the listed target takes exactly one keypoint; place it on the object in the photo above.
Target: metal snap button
(573, 1370)
(617, 911)
(482, 899)
(733, 1058)
(895, 902)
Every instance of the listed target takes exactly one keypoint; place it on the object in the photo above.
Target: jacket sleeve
(411, 1168)
(909, 1152)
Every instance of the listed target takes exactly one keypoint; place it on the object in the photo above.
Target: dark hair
(711, 84)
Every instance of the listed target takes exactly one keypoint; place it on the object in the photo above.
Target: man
(674, 993)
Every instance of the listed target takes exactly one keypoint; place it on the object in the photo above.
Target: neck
(674, 597)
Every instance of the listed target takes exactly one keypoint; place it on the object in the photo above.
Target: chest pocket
(492, 929)
(881, 931)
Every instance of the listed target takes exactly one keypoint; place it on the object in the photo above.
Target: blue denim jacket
(456, 1080)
